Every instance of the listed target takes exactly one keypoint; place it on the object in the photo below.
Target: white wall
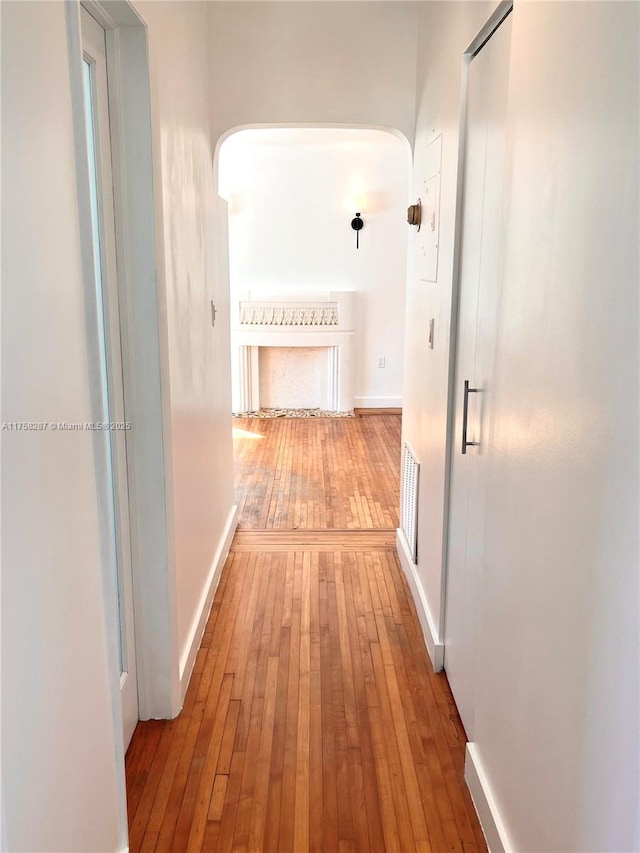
(292, 196)
(194, 273)
(557, 708)
(61, 761)
(313, 62)
(444, 32)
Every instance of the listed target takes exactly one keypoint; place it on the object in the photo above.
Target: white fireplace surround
(309, 318)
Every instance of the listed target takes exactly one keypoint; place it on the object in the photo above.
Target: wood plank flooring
(313, 540)
(318, 473)
(313, 720)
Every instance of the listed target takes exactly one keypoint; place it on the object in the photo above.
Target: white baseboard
(434, 645)
(377, 402)
(485, 803)
(188, 656)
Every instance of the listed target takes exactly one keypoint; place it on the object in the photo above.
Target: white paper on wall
(429, 236)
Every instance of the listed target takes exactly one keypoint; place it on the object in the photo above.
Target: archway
(292, 193)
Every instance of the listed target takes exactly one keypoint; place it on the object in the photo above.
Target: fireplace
(322, 321)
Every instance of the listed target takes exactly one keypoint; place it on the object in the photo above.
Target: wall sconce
(357, 224)
(414, 214)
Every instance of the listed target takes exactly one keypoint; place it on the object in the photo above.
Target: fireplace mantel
(311, 318)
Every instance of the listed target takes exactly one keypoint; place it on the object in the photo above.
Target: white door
(479, 273)
(96, 101)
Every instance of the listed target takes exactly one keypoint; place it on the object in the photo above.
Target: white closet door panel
(479, 278)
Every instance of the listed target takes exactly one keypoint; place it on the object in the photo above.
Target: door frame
(144, 340)
(94, 53)
(502, 10)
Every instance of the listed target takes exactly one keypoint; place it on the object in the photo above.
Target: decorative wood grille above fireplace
(293, 319)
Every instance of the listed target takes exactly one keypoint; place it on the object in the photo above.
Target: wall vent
(409, 500)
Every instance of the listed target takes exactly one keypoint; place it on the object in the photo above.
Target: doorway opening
(317, 308)
(96, 103)
(112, 129)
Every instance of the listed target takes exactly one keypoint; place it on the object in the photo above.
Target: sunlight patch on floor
(245, 433)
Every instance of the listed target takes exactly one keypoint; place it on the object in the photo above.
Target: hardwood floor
(318, 473)
(313, 720)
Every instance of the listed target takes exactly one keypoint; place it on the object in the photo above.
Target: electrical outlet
(381, 361)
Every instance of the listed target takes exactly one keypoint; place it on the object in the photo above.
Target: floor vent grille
(409, 500)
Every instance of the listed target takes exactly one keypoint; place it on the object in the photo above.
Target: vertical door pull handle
(465, 415)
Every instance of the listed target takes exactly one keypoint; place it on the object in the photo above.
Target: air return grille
(409, 500)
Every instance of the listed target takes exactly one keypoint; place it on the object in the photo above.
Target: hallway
(313, 720)
(140, 277)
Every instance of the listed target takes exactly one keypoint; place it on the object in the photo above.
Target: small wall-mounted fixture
(357, 224)
(414, 214)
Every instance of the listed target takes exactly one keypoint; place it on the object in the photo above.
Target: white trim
(112, 364)
(190, 650)
(333, 379)
(239, 128)
(494, 20)
(377, 402)
(434, 644)
(248, 381)
(111, 627)
(485, 803)
(145, 364)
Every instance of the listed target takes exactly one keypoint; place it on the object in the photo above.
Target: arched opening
(317, 309)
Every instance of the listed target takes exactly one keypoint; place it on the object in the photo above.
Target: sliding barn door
(479, 274)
